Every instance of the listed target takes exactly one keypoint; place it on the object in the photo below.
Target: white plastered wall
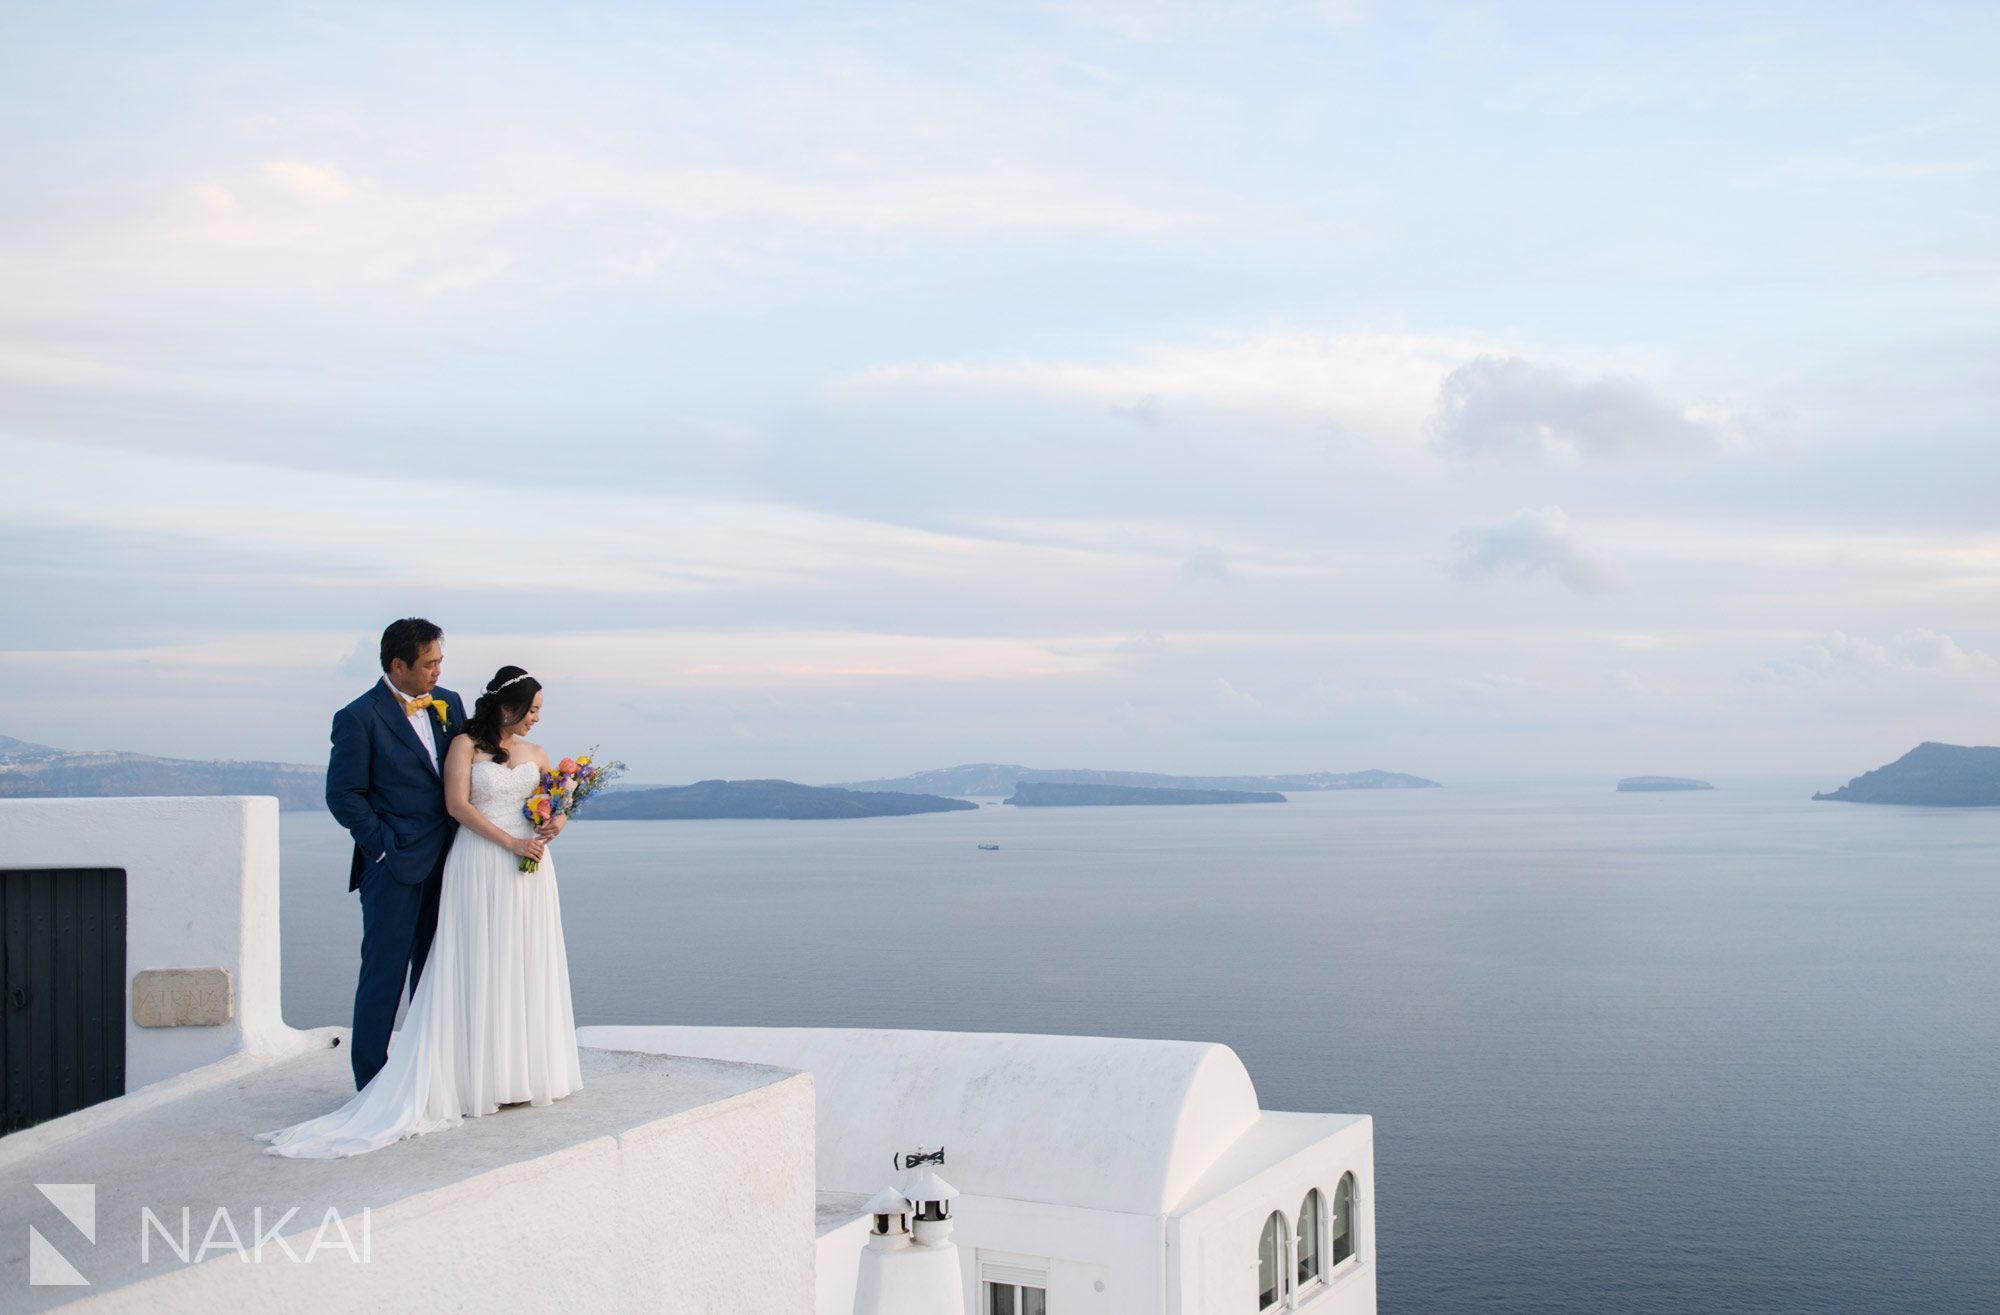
(1214, 1244)
(201, 890)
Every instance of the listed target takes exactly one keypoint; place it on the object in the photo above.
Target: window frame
(1011, 1271)
(1351, 1186)
(986, 1286)
(1286, 1292)
(1322, 1239)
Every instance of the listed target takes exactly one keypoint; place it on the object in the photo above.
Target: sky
(837, 391)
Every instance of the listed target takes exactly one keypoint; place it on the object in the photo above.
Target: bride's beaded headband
(509, 681)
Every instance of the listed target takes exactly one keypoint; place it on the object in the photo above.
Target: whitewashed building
(785, 1171)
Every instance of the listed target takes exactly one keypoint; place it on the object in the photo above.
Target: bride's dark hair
(507, 698)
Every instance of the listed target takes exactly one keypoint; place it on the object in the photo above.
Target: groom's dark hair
(405, 639)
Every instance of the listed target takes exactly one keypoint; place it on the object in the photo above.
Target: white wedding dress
(490, 1023)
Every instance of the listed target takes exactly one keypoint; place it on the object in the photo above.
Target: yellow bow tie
(415, 706)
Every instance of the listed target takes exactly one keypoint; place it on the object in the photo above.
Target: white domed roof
(1106, 1123)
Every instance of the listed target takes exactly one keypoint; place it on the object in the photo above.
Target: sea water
(1729, 1051)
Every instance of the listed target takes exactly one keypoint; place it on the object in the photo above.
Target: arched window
(1273, 1268)
(1343, 1219)
(1312, 1218)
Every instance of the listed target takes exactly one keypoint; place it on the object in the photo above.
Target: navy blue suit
(384, 786)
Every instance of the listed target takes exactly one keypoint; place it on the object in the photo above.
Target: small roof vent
(888, 1201)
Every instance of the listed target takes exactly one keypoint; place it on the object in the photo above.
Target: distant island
(1635, 784)
(980, 779)
(759, 799)
(36, 771)
(1061, 794)
(1937, 775)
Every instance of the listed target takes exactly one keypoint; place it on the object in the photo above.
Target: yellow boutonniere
(443, 711)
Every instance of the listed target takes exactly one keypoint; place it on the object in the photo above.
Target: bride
(490, 1023)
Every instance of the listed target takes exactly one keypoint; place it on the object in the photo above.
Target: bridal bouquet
(565, 789)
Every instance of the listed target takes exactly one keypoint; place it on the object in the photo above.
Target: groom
(385, 784)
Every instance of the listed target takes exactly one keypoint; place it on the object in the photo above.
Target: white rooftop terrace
(590, 1202)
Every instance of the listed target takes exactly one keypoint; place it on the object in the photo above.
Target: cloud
(1377, 384)
(1166, 19)
(760, 658)
(514, 231)
(942, 200)
(1927, 650)
(1206, 564)
(1847, 171)
(1503, 405)
(1234, 700)
(279, 203)
(276, 524)
(316, 182)
(1841, 658)
(1532, 542)
(789, 656)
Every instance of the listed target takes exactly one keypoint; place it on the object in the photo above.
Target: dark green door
(62, 966)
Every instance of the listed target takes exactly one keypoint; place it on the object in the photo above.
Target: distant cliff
(1001, 778)
(1060, 794)
(759, 799)
(1634, 784)
(35, 771)
(1940, 775)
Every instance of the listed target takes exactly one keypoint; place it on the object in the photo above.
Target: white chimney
(903, 1274)
(892, 1220)
(933, 1214)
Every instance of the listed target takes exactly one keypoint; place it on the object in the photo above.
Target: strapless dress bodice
(499, 790)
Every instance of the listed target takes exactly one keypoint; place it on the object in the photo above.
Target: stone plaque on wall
(182, 997)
